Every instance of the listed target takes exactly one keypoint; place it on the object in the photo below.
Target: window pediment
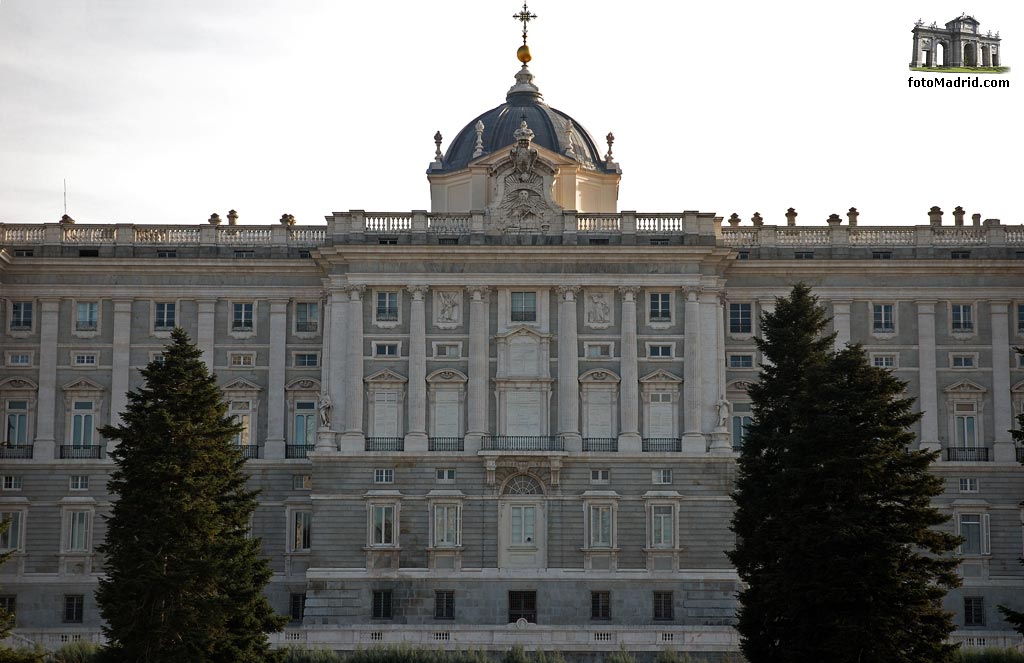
(18, 384)
(386, 376)
(303, 384)
(83, 384)
(447, 375)
(965, 387)
(739, 387)
(241, 384)
(1018, 388)
(522, 330)
(599, 376)
(660, 376)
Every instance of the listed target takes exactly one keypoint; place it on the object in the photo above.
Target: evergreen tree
(834, 522)
(6, 619)
(183, 581)
(1016, 617)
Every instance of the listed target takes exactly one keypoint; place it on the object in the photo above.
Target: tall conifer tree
(1016, 617)
(183, 581)
(834, 522)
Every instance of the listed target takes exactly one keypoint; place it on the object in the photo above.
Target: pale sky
(161, 111)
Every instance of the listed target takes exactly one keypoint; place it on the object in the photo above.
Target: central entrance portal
(522, 524)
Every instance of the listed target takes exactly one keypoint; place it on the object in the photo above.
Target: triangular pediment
(18, 383)
(241, 384)
(599, 375)
(387, 375)
(504, 153)
(1018, 388)
(523, 330)
(447, 375)
(660, 375)
(739, 385)
(965, 386)
(83, 384)
(303, 384)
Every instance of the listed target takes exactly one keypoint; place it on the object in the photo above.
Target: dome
(550, 127)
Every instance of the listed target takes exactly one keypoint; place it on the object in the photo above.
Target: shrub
(989, 656)
(621, 656)
(20, 656)
(76, 652)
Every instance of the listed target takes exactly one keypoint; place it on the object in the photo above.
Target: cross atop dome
(525, 17)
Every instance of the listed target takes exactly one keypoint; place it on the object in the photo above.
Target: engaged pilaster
(416, 438)
(693, 438)
(1003, 448)
(721, 443)
(928, 397)
(629, 435)
(478, 398)
(44, 443)
(841, 322)
(274, 445)
(353, 439)
(568, 369)
(119, 373)
(205, 329)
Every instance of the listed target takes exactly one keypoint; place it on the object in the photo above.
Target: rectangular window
(974, 611)
(968, 485)
(384, 475)
(24, 253)
(19, 359)
(883, 360)
(524, 307)
(302, 482)
(740, 319)
(167, 253)
(659, 241)
(741, 361)
(382, 604)
(966, 424)
(962, 361)
(73, 606)
(307, 317)
(446, 475)
(305, 423)
(383, 524)
(306, 359)
(78, 537)
(448, 241)
(21, 316)
(297, 607)
(241, 411)
(444, 604)
(447, 522)
(88, 253)
(881, 255)
(241, 359)
(970, 530)
(661, 477)
(16, 430)
(241, 316)
(385, 349)
(385, 414)
(387, 241)
(387, 306)
(598, 350)
(661, 351)
(601, 526)
(600, 476)
(963, 317)
(660, 306)
(663, 606)
(78, 482)
(163, 316)
(803, 255)
(662, 526)
(883, 318)
(302, 522)
(740, 423)
(11, 538)
(600, 605)
(522, 605)
(87, 316)
(1020, 318)
(523, 522)
(598, 241)
(447, 351)
(11, 482)
(84, 358)
(960, 255)
(82, 424)
(245, 254)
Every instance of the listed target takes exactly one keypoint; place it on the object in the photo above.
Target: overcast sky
(161, 111)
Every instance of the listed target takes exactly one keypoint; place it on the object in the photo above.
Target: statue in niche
(600, 311)
(723, 412)
(449, 307)
(325, 411)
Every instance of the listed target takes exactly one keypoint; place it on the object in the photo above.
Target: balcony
(80, 452)
(523, 443)
(297, 450)
(385, 444)
(387, 314)
(248, 451)
(661, 444)
(601, 444)
(306, 327)
(445, 444)
(16, 451)
(968, 454)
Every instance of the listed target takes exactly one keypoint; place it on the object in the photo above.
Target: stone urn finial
(66, 220)
(976, 219)
(852, 215)
(833, 220)
(214, 219)
(232, 217)
(287, 220)
(734, 219)
(757, 220)
(935, 216)
(478, 149)
(611, 141)
(791, 217)
(958, 215)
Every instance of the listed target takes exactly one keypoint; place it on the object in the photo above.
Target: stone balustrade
(130, 234)
(873, 236)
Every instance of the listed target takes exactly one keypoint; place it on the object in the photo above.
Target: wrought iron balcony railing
(16, 451)
(297, 450)
(385, 444)
(661, 444)
(967, 453)
(1020, 454)
(88, 451)
(248, 451)
(600, 444)
(523, 443)
(445, 444)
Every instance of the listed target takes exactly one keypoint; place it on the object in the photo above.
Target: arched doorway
(940, 54)
(522, 523)
(970, 55)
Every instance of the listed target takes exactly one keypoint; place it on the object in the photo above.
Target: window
(447, 525)
(879, 360)
(163, 316)
(387, 306)
(601, 526)
(297, 606)
(384, 475)
(11, 482)
(448, 241)
(741, 361)
(305, 423)
(241, 316)
(385, 414)
(241, 359)
(305, 254)
(78, 482)
(598, 241)
(245, 254)
(382, 604)
(78, 537)
(523, 522)
(242, 413)
(21, 316)
(156, 357)
(73, 606)
(600, 605)
(19, 358)
(307, 317)
(88, 253)
(960, 255)
(11, 538)
(302, 522)
(740, 319)
(383, 524)
(24, 253)
(660, 306)
(965, 420)
(84, 359)
(971, 530)
(389, 241)
(82, 423)
(444, 604)
(803, 255)
(883, 318)
(87, 316)
(302, 482)
(663, 606)
(659, 241)
(447, 350)
(597, 350)
(881, 255)
(446, 475)
(974, 611)
(659, 351)
(524, 307)
(9, 605)
(743, 255)
(740, 423)
(963, 317)
(385, 349)
(663, 526)
(661, 477)
(16, 431)
(522, 605)
(600, 476)
(1020, 318)
(968, 485)
(307, 359)
(167, 253)
(962, 360)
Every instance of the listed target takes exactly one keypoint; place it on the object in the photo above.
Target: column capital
(279, 305)
(568, 292)
(478, 292)
(711, 296)
(355, 292)
(999, 305)
(629, 292)
(845, 303)
(49, 304)
(926, 306)
(692, 292)
(122, 305)
(418, 291)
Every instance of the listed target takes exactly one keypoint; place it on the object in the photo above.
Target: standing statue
(449, 307)
(325, 411)
(723, 412)
(599, 310)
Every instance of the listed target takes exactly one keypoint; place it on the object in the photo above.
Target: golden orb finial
(524, 54)
(524, 17)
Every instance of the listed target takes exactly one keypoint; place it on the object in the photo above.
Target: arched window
(523, 484)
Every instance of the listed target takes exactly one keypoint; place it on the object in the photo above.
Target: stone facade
(959, 44)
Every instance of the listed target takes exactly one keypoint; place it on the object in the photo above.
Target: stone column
(568, 370)
(1002, 406)
(205, 329)
(416, 438)
(915, 59)
(333, 371)
(629, 386)
(477, 398)
(353, 439)
(119, 374)
(721, 442)
(273, 447)
(693, 438)
(928, 399)
(841, 322)
(44, 444)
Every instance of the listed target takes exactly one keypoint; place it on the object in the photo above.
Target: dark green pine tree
(183, 582)
(1016, 617)
(836, 537)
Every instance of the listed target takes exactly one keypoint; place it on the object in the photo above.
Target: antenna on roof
(65, 195)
